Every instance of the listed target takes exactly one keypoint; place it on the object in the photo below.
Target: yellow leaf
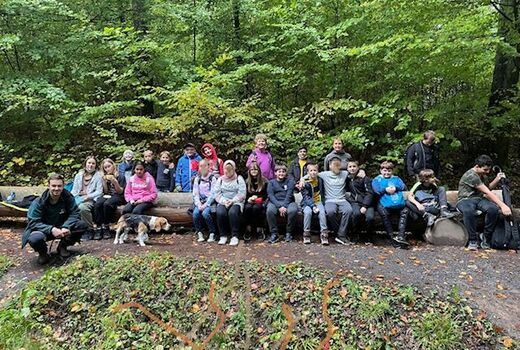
(508, 342)
(195, 308)
(343, 292)
(76, 307)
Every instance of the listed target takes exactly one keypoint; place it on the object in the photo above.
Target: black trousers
(138, 209)
(37, 240)
(105, 208)
(254, 214)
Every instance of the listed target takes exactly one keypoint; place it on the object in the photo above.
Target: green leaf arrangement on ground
(191, 304)
(5, 264)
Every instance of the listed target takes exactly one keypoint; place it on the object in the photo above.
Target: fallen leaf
(501, 296)
(508, 342)
(343, 292)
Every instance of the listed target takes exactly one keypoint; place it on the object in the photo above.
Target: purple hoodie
(265, 162)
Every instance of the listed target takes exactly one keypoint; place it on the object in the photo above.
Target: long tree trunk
(506, 72)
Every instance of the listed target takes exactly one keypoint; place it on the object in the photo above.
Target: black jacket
(361, 191)
(151, 168)
(415, 158)
(294, 170)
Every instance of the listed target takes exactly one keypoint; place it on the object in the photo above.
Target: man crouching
(54, 215)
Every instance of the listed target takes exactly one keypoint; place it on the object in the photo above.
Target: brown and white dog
(140, 224)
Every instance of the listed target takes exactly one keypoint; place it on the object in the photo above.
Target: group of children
(342, 197)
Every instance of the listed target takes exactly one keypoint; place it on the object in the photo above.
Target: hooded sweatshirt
(43, 215)
(264, 160)
(231, 188)
(202, 189)
(216, 165)
(141, 188)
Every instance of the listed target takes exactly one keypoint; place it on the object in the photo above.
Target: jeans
(358, 219)
(228, 220)
(469, 206)
(254, 214)
(37, 240)
(307, 218)
(201, 217)
(272, 213)
(345, 209)
(105, 208)
(138, 209)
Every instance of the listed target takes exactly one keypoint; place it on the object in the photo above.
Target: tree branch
(496, 6)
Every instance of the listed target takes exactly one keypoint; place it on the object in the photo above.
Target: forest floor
(488, 279)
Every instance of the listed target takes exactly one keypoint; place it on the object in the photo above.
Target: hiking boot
(324, 237)
(484, 242)
(211, 238)
(261, 233)
(288, 237)
(200, 236)
(430, 219)
(473, 245)
(87, 236)
(343, 240)
(234, 241)
(274, 238)
(306, 237)
(445, 213)
(222, 240)
(62, 250)
(43, 258)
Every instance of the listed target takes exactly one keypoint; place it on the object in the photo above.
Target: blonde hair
(108, 160)
(387, 165)
(165, 153)
(260, 137)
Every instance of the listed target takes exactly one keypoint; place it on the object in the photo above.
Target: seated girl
(140, 191)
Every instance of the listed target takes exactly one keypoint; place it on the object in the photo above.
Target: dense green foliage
(5, 264)
(76, 307)
(78, 77)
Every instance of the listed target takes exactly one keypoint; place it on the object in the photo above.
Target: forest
(97, 77)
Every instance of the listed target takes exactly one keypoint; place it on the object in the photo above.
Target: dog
(140, 224)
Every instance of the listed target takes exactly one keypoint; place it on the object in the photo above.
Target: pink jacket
(141, 189)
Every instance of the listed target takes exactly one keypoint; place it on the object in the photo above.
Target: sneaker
(211, 238)
(430, 219)
(473, 245)
(261, 234)
(288, 237)
(43, 259)
(233, 241)
(445, 213)
(324, 239)
(200, 236)
(87, 236)
(62, 250)
(484, 243)
(306, 237)
(273, 239)
(222, 240)
(343, 240)
(401, 239)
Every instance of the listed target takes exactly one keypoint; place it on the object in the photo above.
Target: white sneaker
(211, 238)
(234, 241)
(222, 240)
(200, 236)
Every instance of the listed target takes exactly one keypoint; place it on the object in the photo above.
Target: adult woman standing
(87, 188)
(113, 195)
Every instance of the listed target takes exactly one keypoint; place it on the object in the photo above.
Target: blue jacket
(308, 193)
(394, 201)
(281, 193)
(183, 174)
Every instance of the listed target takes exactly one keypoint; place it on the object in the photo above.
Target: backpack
(506, 235)
(22, 205)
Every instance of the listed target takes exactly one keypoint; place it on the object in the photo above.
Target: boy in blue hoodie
(390, 190)
(187, 166)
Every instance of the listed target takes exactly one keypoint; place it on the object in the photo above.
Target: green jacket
(43, 215)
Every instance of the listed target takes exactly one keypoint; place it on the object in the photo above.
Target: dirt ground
(489, 280)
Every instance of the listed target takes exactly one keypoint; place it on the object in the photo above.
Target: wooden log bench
(174, 207)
